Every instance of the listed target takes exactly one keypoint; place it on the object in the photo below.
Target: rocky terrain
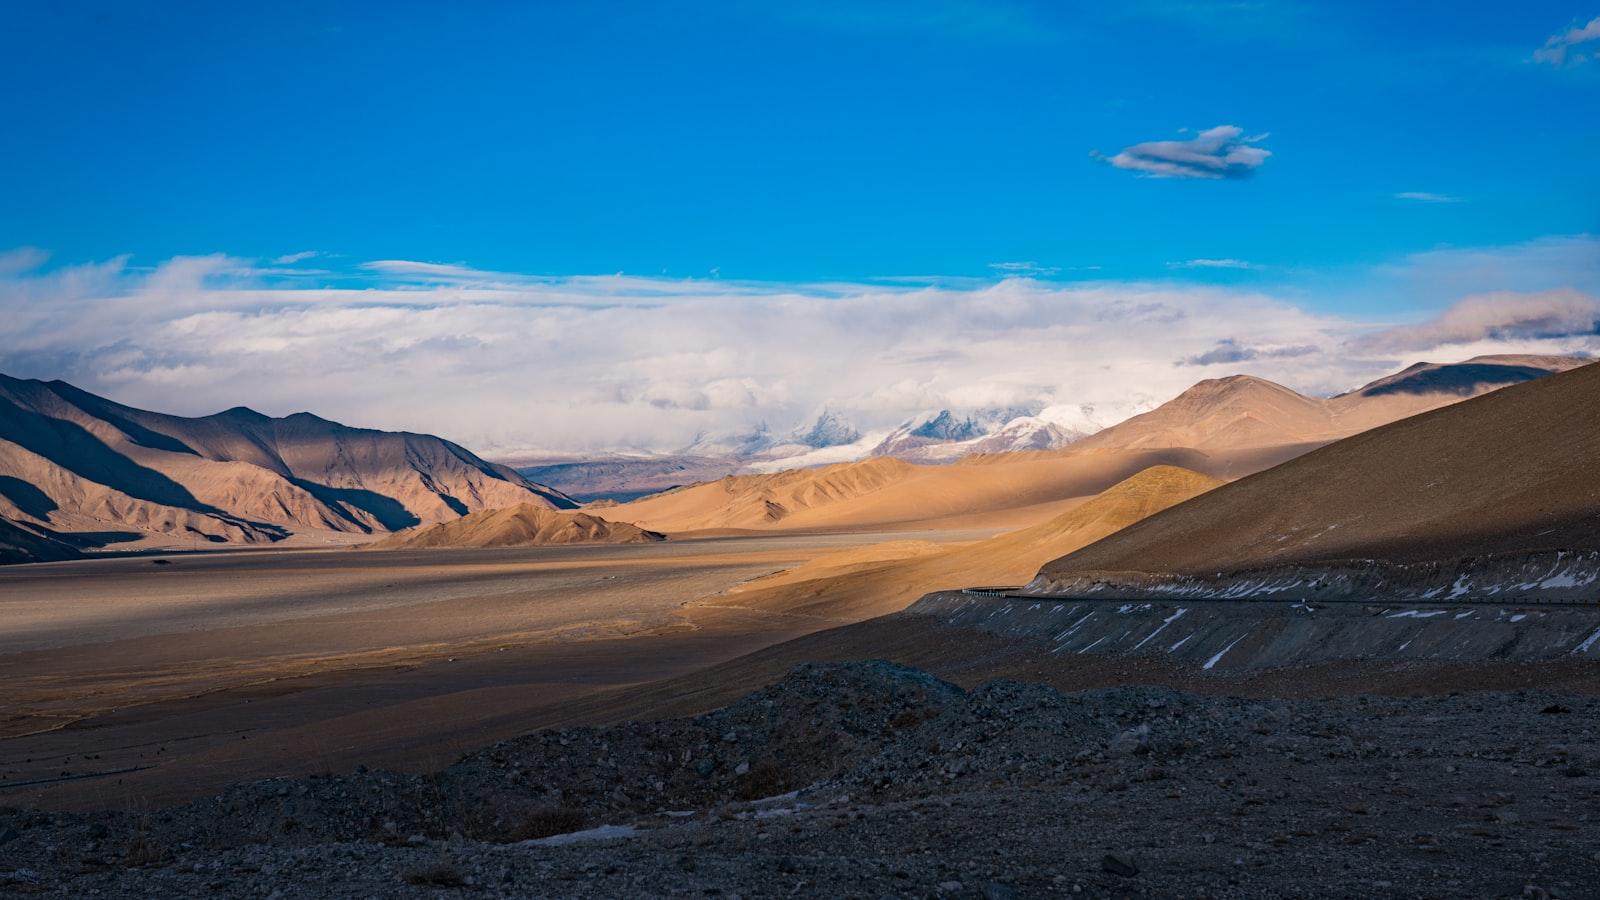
(872, 779)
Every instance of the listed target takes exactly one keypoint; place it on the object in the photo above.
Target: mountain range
(1240, 411)
(1224, 428)
(1506, 473)
(78, 471)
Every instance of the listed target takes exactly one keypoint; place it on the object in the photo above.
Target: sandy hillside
(518, 526)
(1243, 411)
(1227, 428)
(75, 462)
(1026, 487)
(871, 581)
(1511, 470)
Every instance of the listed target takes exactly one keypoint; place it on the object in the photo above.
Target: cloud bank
(1499, 317)
(513, 364)
(1220, 152)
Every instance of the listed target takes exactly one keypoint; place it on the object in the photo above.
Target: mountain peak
(829, 430)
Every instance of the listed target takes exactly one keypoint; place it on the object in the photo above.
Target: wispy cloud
(431, 271)
(1233, 350)
(1426, 197)
(1027, 267)
(289, 259)
(1212, 264)
(1570, 46)
(22, 259)
(1222, 152)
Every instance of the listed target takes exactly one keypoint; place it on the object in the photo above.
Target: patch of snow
(1566, 580)
(1170, 619)
(1588, 642)
(1223, 652)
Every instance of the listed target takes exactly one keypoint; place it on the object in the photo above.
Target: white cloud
(1426, 197)
(506, 363)
(1559, 49)
(1212, 264)
(1220, 152)
(1026, 267)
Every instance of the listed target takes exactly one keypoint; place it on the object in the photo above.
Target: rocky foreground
(871, 779)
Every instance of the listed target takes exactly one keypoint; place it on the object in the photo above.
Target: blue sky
(825, 141)
(1352, 167)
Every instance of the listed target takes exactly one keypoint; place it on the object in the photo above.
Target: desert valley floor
(202, 668)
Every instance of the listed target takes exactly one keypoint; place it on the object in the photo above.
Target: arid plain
(214, 666)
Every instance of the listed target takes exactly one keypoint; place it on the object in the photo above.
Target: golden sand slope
(855, 584)
(1511, 470)
(1016, 488)
(1241, 411)
(518, 526)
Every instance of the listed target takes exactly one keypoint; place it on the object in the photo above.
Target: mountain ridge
(1416, 490)
(76, 462)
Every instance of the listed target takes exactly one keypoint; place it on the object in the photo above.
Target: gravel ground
(873, 779)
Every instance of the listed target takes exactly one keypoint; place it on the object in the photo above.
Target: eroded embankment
(1257, 634)
(1545, 576)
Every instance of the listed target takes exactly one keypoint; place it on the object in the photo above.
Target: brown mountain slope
(872, 581)
(1012, 488)
(19, 544)
(1511, 470)
(517, 526)
(237, 475)
(1244, 411)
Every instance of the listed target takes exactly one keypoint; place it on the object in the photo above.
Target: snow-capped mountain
(1085, 419)
(1024, 433)
(945, 429)
(829, 430)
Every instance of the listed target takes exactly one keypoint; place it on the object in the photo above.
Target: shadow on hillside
(28, 498)
(389, 512)
(1464, 379)
(74, 448)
